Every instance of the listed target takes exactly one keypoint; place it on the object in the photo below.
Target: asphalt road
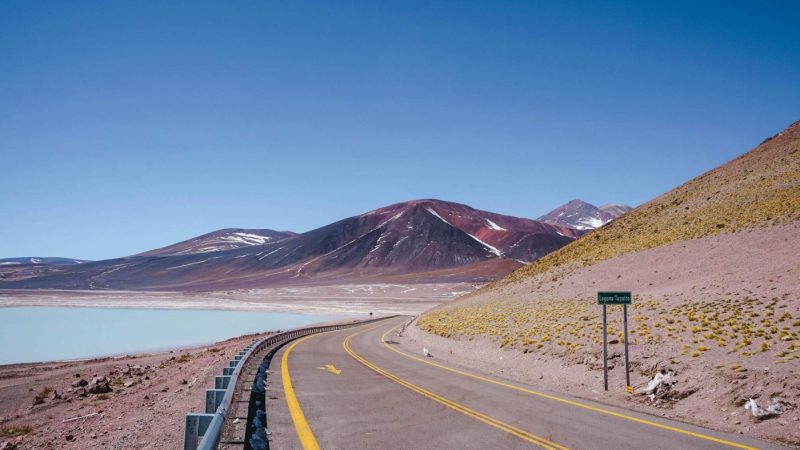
(355, 389)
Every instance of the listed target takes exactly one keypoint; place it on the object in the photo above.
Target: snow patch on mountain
(430, 210)
(494, 226)
(491, 248)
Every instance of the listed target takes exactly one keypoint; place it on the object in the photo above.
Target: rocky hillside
(760, 188)
(714, 266)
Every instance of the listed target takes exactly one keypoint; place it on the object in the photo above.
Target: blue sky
(129, 125)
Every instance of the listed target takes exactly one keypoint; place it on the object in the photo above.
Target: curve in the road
(558, 399)
(361, 411)
(520, 433)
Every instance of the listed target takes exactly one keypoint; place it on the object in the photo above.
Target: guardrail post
(205, 429)
(196, 426)
(214, 399)
(222, 382)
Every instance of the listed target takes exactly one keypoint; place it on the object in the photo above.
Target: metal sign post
(625, 326)
(605, 350)
(615, 298)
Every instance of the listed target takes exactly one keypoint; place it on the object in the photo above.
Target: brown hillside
(759, 188)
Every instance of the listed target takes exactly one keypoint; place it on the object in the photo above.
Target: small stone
(93, 436)
(70, 437)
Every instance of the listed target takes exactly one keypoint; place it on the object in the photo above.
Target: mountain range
(419, 240)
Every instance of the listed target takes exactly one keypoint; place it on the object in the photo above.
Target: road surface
(356, 389)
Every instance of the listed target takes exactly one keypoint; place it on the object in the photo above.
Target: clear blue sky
(128, 125)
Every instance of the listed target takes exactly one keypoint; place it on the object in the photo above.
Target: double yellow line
(309, 442)
(562, 400)
(522, 434)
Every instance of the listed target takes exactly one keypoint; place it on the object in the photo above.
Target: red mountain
(418, 240)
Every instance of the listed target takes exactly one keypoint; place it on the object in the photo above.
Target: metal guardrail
(204, 430)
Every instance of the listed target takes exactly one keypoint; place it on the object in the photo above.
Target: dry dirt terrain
(148, 396)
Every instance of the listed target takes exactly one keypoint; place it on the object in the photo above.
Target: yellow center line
(562, 400)
(522, 434)
(307, 439)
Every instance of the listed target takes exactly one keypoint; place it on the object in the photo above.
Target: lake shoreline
(356, 300)
(140, 411)
(63, 334)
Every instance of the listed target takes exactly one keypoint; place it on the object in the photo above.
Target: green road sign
(613, 298)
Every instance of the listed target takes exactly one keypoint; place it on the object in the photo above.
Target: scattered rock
(99, 385)
(81, 392)
(129, 384)
(70, 437)
(79, 383)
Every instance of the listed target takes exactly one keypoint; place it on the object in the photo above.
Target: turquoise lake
(29, 334)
